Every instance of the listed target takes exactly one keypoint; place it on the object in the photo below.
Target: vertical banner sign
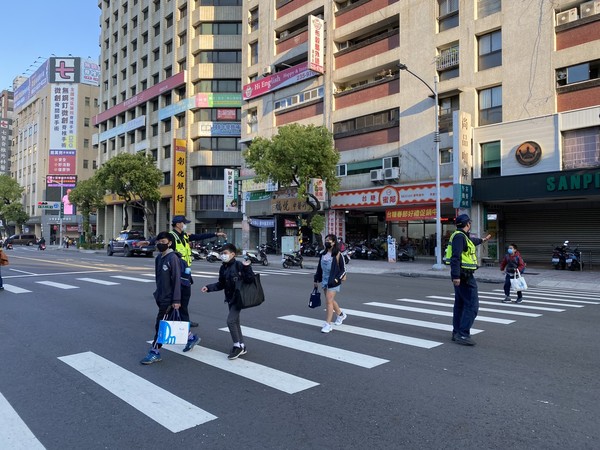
(179, 177)
(231, 203)
(336, 223)
(317, 188)
(5, 139)
(463, 159)
(316, 31)
(63, 116)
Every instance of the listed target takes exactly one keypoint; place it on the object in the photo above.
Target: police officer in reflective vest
(463, 264)
(181, 243)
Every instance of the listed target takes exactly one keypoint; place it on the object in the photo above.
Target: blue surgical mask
(510, 251)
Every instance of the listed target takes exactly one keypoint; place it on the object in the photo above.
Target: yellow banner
(179, 177)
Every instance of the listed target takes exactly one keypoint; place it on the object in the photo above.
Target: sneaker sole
(147, 363)
(187, 349)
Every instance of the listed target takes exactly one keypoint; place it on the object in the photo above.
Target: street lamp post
(438, 209)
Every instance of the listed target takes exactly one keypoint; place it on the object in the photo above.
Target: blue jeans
(466, 305)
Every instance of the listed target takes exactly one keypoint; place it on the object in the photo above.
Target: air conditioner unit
(590, 8)
(561, 74)
(344, 45)
(377, 175)
(284, 34)
(392, 173)
(267, 70)
(567, 16)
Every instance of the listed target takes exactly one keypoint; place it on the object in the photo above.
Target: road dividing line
(437, 312)
(261, 374)
(170, 411)
(57, 285)
(94, 280)
(14, 434)
(15, 289)
(358, 359)
(449, 305)
(400, 339)
(123, 277)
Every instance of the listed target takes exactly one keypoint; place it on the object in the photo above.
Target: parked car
(21, 239)
(125, 243)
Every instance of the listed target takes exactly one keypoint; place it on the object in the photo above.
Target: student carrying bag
(248, 295)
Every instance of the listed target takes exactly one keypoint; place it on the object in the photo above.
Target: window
(86, 164)
(488, 7)
(183, 39)
(86, 122)
(95, 164)
(145, 37)
(253, 19)
(156, 29)
(183, 12)
(87, 101)
(168, 47)
(254, 53)
(133, 68)
(490, 50)
(447, 62)
(448, 14)
(490, 105)
(134, 45)
(219, 57)
(341, 170)
(169, 20)
(222, 28)
(208, 173)
(490, 159)
(581, 148)
(445, 155)
(144, 61)
(166, 151)
(217, 143)
(217, 86)
(365, 124)
(578, 73)
(145, 13)
(86, 143)
(167, 126)
(155, 130)
(447, 107)
(156, 54)
(166, 178)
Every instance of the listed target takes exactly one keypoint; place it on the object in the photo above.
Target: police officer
(463, 264)
(181, 243)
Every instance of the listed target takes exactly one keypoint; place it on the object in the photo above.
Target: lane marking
(553, 291)
(450, 305)
(416, 342)
(23, 271)
(404, 321)
(438, 313)
(170, 411)
(14, 433)
(526, 303)
(139, 280)
(559, 297)
(15, 289)
(276, 379)
(57, 285)
(97, 281)
(358, 359)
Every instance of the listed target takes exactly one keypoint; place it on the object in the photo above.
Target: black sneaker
(235, 352)
(454, 335)
(464, 340)
(193, 324)
(519, 299)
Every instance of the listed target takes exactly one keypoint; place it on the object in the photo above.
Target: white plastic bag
(517, 282)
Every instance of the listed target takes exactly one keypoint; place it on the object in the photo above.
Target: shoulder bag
(248, 295)
(517, 282)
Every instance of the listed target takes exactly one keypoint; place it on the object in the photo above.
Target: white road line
(23, 271)
(503, 305)
(526, 304)
(562, 291)
(358, 359)
(170, 411)
(416, 342)
(15, 289)
(450, 305)
(57, 285)
(560, 297)
(437, 312)
(94, 280)
(14, 434)
(404, 321)
(123, 277)
(276, 379)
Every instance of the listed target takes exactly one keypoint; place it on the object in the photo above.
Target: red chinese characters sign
(405, 214)
(62, 162)
(391, 196)
(179, 177)
(315, 41)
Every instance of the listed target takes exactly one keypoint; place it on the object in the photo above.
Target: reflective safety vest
(468, 258)
(183, 247)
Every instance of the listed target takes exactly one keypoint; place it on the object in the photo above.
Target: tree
(11, 209)
(296, 155)
(88, 196)
(135, 178)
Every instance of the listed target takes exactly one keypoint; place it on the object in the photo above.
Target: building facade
(6, 115)
(170, 88)
(518, 114)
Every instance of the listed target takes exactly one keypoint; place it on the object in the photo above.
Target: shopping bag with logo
(172, 330)
(249, 294)
(517, 282)
(315, 299)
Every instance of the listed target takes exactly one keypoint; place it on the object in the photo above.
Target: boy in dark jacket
(512, 261)
(230, 270)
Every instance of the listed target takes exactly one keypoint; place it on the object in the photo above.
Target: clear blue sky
(42, 27)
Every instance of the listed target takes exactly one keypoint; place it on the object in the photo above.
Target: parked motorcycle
(214, 253)
(292, 259)
(564, 257)
(261, 258)
(406, 253)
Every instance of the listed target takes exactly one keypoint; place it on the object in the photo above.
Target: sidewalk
(422, 267)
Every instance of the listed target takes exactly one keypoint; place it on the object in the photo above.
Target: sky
(40, 28)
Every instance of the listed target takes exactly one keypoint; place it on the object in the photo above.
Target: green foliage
(88, 196)
(317, 223)
(11, 209)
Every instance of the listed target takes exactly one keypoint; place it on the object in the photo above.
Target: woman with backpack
(512, 261)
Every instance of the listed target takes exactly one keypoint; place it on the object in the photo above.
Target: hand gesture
(221, 234)
(204, 289)
(246, 262)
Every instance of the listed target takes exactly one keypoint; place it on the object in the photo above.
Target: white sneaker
(340, 319)
(326, 328)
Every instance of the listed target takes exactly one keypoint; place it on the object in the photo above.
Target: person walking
(463, 264)
(230, 271)
(331, 271)
(3, 262)
(511, 262)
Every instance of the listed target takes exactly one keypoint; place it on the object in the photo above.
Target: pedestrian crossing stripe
(560, 297)
(326, 351)
(398, 338)
(273, 378)
(57, 285)
(97, 281)
(450, 305)
(437, 312)
(140, 280)
(170, 411)
(571, 292)
(14, 433)
(529, 304)
(15, 289)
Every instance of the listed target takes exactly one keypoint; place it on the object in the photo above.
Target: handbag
(172, 330)
(315, 299)
(248, 295)
(517, 282)
(3, 258)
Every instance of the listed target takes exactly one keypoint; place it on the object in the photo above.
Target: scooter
(559, 256)
(291, 260)
(41, 246)
(214, 253)
(260, 259)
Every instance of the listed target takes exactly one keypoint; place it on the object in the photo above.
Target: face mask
(162, 247)
(225, 257)
(327, 244)
(510, 251)
(184, 227)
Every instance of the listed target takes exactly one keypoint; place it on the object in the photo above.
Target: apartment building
(6, 113)
(171, 88)
(52, 141)
(518, 112)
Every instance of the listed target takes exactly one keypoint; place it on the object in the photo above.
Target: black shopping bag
(250, 294)
(315, 299)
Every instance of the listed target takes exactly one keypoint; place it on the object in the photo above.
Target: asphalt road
(389, 377)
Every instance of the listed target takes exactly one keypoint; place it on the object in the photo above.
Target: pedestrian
(331, 271)
(66, 241)
(463, 264)
(512, 261)
(42, 243)
(3, 262)
(230, 271)
(167, 270)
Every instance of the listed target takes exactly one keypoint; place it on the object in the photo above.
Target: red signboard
(62, 162)
(278, 80)
(226, 114)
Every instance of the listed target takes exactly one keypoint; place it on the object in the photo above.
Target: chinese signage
(62, 162)
(31, 86)
(90, 72)
(179, 177)
(391, 196)
(65, 70)
(412, 213)
(49, 205)
(336, 223)
(231, 203)
(61, 181)
(317, 188)
(227, 114)
(63, 116)
(464, 195)
(315, 43)
(5, 135)
(463, 157)
(220, 128)
(278, 80)
(289, 205)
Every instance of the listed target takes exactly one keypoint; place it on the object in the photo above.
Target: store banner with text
(230, 194)
(179, 177)
(414, 213)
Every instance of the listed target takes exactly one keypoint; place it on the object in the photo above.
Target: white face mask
(225, 257)
(184, 227)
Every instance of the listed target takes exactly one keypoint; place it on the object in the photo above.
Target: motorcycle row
(563, 257)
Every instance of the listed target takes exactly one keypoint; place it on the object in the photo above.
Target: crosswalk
(408, 322)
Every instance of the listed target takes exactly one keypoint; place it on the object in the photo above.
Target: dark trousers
(163, 309)
(186, 293)
(507, 286)
(233, 323)
(466, 305)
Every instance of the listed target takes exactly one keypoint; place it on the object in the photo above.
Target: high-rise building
(6, 115)
(518, 88)
(171, 88)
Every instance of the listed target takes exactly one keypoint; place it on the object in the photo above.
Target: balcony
(447, 59)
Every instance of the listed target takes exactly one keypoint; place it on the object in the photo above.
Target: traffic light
(62, 208)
